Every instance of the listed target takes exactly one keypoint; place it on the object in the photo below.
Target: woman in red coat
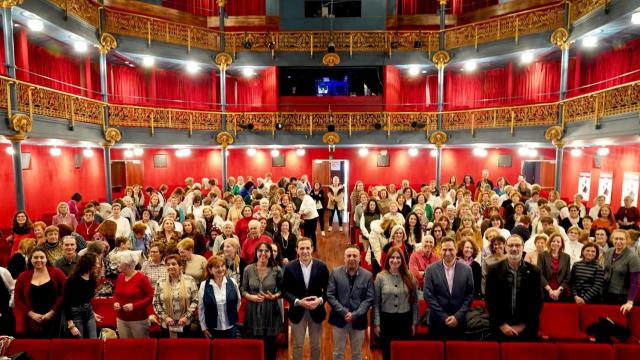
(242, 225)
(21, 228)
(38, 297)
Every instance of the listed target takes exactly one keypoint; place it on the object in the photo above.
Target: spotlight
(35, 24)
(275, 153)
(251, 152)
(192, 67)
(87, 153)
(590, 41)
(603, 151)
(377, 126)
(247, 44)
(80, 46)
(270, 45)
(635, 18)
(414, 124)
(433, 152)
(55, 151)
(395, 44)
(575, 152)
(413, 152)
(279, 126)
(138, 151)
(248, 71)
(300, 152)
(183, 152)
(470, 65)
(363, 151)
(331, 47)
(128, 153)
(331, 128)
(414, 70)
(480, 152)
(148, 61)
(417, 44)
(526, 57)
(10, 150)
(248, 126)
(533, 152)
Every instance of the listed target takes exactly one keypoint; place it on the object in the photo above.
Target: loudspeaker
(160, 161)
(504, 160)
(77, 160)
(597, 161)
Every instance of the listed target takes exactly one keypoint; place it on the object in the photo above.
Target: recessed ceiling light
(301, 152)
(480, 152)
(192, 67)
(35, 24)
(80, 46)
(635, 18)
(138, 151)
(590, 41)
(55, 151)
(575, 152)
(433, 152)
(87, 153)
(470, 65)
(128, 153)
(603, 151)
(275, 152)
(10, 150)
(414, 70)
(248, 71)
(413, 152)
(363, 151)
(148, 61)
(527, 57)
(251, 151)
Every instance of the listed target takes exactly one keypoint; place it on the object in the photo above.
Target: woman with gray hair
(133, 295)
(227, 233)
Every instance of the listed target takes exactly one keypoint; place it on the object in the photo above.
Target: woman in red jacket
(38, 297)
(242, 225)
(21, 228)
(133, 295)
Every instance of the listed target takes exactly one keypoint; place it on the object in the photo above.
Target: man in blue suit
(351, 294)
(448, 290)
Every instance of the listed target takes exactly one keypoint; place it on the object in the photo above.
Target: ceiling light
(523, 151)
(603, 151)
(251, 151)
(192, 67)
(433, 152)
(55, 151)
(414, 70)
(526, 57)
(635, 18)
(331, 47)
(148, 61)
(87, 153)
(413, 152)
(532, 152)
(275, 153)
(300, 152)
(35, 24)
(80, 46)
(383, 152)
(248, 71)
(128, 153)
(138, 151)
(10, 150)
(183, 152)
(363, 151)
(470, 65)
(424, 71)
(590, 41)
(279, 126)
(575, 152)
(480, 152)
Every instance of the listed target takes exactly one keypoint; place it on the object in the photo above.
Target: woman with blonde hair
(355, 194)
(234, 263)
(194, 265)
(335, 202)
(175, 300)
(63, 216)
(20, 259)
(540, 242)
(467, 224)
(168, 235)
(378, 238)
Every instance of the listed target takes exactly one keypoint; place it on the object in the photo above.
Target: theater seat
(529, 351)
(584, 351)
(626, 352)
(421, 330)
(402, 350)
(590, 313)
(463, 350)
(237, 349)
(634, 323)
(38, 349)
(76, 349)
(191, 349)
(561, 322)
(131, 349)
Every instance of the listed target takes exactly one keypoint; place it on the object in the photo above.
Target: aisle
(331, 251)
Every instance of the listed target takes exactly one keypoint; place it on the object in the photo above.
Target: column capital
(111, 136)
(331, 59)
(223, 60)
(10, 3)
(560, 38)
(107, 43)
(222, 3)
(224, 139)
(554, 134)
(438, 138)
(17, 138)
(441, 59)
(443, 2)
(21, 123)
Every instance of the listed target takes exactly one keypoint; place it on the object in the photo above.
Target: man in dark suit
(448, 289)
(350, 293)
(304, 286)
(514, 295)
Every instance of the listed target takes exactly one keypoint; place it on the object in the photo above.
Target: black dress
(288, 246)
(43, 300)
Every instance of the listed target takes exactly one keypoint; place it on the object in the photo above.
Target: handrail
(40, 100)
(514, 25)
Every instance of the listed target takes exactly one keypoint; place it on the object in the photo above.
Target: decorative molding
(221, 3)
(331, 59)
(223, 60)
(331, 138)
(21, 123)
(224, 139)
(554, 134)
(16, 138)
(441, 59)
(10, 3)
(560, 38)
(443, 2)
(438, 138)
(107, 43)
(112, 136)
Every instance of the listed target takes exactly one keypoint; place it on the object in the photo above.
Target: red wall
(620, 159)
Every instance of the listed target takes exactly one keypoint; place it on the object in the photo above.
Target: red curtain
(270, 88)
(244, 94)
(596, 71)
(463, 90)
(495, 88)
(181, 90)
(52, 69)
(210, 7)
(457, 7)
(127, 86)
(537, 82)
(3, 69)
(392, 87)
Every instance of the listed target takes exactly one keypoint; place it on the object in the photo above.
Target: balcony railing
(38, 100)
(511, 26)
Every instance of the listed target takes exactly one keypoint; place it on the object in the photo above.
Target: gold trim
(107, 43)
(554, 134)
(331, 138)
(10, 3)
(112, 136)
(16, 138)
(331, 59)
(21, 123)
(223, 60)
(224, 139)
(221, 3)
(441, 59)
(438, 138)
(560, 38)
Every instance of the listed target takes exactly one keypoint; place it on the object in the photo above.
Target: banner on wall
(605, 185)
(584, 184)
(630, 185)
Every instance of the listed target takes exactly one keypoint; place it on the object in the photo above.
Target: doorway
(541, 172)
(126, 173)
(325, 170)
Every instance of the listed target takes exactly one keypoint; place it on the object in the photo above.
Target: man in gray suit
(448, 289)
(350, 293)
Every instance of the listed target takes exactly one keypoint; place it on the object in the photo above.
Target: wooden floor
(331, 251)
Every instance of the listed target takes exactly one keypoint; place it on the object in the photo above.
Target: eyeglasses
(263, 250)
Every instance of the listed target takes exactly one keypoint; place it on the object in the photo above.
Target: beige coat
(336, 197)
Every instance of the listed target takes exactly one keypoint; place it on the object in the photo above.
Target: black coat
(293, 288)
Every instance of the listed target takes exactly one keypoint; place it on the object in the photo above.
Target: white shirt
(573, 249)
(308, 208)
(306, 272)
(9, 283)
(123, 226)
(220, 294)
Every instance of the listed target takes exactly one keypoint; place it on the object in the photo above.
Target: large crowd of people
(187, 260)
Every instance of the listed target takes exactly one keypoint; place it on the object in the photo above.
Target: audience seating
(590, 313)
(561, 322)
(634, 322)
(131, 349)
(235, 349)
(528, 351)
(463, 350)
(432, 350)
(626, 352)
(38, 349)
(76, 349)
(192, 349)
(584, 351)
(422, 330)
